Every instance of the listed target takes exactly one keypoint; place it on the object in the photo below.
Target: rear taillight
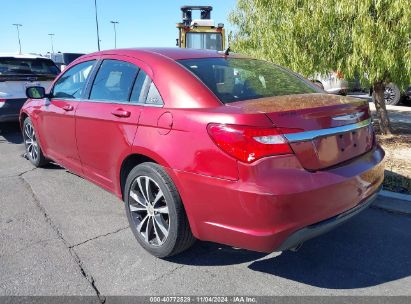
(2, 101)
(249, 144)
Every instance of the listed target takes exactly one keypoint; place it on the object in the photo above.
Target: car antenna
(226, 52)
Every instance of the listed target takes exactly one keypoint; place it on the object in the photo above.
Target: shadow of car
(368, 251)
(11, 133)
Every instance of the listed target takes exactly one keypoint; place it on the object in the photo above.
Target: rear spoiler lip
(310, 135)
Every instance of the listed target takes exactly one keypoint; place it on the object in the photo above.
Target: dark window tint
(114, 81)
(235, 79)
(71, 84)
(141, 87)
(23, 66)
(145, 91)
(70, 57)
(64, 58)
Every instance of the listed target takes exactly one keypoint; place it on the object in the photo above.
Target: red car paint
(254, 205)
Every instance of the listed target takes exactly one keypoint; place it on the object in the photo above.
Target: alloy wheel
(389, 95)
(149, 210)
(30, 141)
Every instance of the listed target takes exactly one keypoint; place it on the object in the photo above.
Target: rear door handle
(121, 113)
(68, 108)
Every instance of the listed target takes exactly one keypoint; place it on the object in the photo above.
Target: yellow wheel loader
(200, 33)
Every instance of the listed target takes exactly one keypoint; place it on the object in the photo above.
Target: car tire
(33, 150)
(392, 94)
(160, 226)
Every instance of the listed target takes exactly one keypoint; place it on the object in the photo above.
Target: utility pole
(115, 33)
(17, 25)
(98, 36)
(51, 39)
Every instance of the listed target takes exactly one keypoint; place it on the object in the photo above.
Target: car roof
(161, 66)
(172, 53)
(22, 56)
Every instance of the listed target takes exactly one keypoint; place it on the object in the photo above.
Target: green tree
(369, 39)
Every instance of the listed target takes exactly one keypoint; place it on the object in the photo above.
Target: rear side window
(140, 89)
(30, 66)
(153, 96)
(235, 79)
(71, 84)
(145, 91)
(114, 81)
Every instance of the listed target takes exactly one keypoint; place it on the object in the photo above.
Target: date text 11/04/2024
(203, 299)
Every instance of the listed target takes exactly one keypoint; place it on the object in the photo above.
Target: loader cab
(200, 33)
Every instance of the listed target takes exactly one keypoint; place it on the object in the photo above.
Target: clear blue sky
(142, 23)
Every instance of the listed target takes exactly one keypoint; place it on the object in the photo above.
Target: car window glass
(114, 81)
(141, 87)
(210, 41)
(27, 66)
(236, 79)
(71, 84)
(153, 96)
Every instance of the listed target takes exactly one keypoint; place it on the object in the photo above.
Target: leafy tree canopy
(367, 38)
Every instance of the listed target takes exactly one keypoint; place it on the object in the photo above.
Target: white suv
(17, 72)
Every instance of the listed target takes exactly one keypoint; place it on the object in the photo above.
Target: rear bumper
(322, 227)
(10, 109)
(275, 198)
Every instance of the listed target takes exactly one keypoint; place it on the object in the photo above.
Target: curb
(393, 202)
(400, 196)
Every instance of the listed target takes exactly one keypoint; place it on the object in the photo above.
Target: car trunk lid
(334, 128)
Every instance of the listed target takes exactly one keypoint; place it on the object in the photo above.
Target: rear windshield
(234, 79)
(22, 66)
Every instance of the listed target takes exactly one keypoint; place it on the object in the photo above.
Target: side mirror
(36, 92)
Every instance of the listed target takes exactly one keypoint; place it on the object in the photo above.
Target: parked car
(333, 83)
(407, 95)
(17, 72)
(63, 59)
(393, 95)
(204, 145)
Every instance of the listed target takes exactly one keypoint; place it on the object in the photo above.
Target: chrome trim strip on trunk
(310, 135)
(348, 117)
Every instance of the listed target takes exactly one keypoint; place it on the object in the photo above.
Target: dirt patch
(397, 159)
(397, 148)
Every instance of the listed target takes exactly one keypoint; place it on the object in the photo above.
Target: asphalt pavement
(62, 235)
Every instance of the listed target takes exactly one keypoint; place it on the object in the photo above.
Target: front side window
(209, 41)
(114, 81)
(71, 84)
(236, 79)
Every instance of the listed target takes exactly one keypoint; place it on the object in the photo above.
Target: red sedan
(202, 144)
